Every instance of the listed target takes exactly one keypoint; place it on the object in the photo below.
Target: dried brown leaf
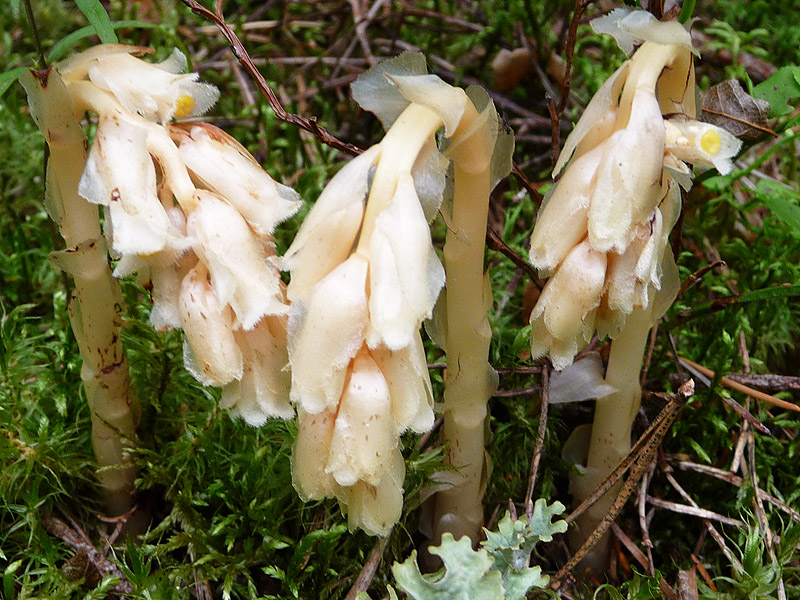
(728, 106)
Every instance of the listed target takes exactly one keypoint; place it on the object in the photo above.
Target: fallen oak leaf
(728, 106)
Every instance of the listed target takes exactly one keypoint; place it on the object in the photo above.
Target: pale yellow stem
(97, 300)
(470, 381)
(611, 430)
(647, 64)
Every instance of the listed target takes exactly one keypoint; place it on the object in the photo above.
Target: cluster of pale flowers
(602, 233)
(364, 275)
(192, 212)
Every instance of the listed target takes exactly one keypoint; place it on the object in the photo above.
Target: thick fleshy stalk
(470, 380)
(611, 429)
(96, 302)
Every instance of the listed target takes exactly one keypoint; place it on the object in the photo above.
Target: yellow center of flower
(185, 104)
(710, 142)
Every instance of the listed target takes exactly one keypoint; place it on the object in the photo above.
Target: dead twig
(734, 385)
(81, 544)
(737, 481)
(694, 511)
(364, 578)
(638, 461)
(537, 451)
(244, 59)
(569, 50)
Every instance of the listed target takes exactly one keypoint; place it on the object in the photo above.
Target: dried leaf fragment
(728, 106)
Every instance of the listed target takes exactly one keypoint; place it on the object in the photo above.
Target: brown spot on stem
(42, 76)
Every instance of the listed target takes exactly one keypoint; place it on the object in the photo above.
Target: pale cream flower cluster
(364, 276)
(603, 232)
(192, 211)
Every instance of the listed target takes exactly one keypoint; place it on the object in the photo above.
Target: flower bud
(376, 509)
(328, 232)
(120, 174)
(263, 390)
(224, 166)
(326, 329)
(310, 455)
(405, 273)
(364, 435)
(211, 353)
(563, 319)
(629, 176)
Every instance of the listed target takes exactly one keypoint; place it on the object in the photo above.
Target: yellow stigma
(185, 104)
(710, 142)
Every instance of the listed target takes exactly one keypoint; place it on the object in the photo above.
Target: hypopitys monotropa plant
(603, 233)
(185, 206)
(364, 275)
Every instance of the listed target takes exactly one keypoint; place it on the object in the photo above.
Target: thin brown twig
(526, 391)
(737, 481)
(569, 50)
(555, 129)
(697, 276)
(695, 511)
(638, 461)
(495, 242)
(537, 451)
(368, 571)
(244, 59)
(737, 565)
(768, 382)
(646, 541)
(727, 382)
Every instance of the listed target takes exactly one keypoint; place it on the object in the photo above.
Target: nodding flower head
(156, 91)
(608, 219)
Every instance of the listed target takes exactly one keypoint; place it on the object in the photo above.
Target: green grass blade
(9, 77)
(63, 45)
(99, 19)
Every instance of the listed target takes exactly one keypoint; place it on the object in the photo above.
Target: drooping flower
(156, 91)
(619, 194)
(192, 212)
(120, 175)
(364, 275)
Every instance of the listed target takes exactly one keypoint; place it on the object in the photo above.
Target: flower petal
(241, 270)
(263, 390)
(328, 232)
(326, 329)
(405, 273)
(211, 353)
(120, 174)
(364, 436)
(224, 166)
